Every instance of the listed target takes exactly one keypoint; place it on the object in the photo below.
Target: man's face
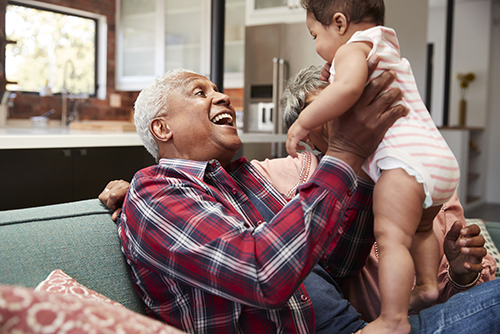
(202, 121)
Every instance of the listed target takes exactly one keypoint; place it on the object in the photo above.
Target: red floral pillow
(75, 310)
(60, 282)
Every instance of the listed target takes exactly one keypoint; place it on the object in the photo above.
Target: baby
(414, 169)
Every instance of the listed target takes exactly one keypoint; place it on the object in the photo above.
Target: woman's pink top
(362, 291)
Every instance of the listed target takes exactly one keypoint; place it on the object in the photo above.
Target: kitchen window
(56, 50)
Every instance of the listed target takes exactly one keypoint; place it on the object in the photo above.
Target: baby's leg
(397, 206)
(425, 254)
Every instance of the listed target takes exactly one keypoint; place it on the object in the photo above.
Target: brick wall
(27, 105)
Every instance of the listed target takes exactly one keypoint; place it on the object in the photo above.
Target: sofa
(80, 239)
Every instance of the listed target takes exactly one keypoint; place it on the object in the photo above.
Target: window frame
(101, 35)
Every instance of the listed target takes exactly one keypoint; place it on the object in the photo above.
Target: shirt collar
(198, 168)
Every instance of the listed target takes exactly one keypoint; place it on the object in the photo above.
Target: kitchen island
(20, 137)
(51, 165)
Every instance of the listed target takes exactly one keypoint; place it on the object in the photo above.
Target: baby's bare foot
(422, 297)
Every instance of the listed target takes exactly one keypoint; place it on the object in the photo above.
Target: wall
(471, 53)
(493, 118)
(409, 19)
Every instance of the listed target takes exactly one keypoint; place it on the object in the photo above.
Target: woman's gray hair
(152, 102)
(294, 96)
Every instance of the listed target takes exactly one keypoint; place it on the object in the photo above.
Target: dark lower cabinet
(36, 177)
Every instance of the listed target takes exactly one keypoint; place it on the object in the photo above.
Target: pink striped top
(414, 139)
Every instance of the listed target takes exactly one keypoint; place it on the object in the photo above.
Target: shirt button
(304, 298)
(234, 191)
(349, 192)
(213, 164)
(259, 222)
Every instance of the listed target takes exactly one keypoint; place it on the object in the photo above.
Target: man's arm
(186, 232)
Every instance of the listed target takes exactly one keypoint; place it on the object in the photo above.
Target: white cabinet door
(136, 39)
(274, 11)
(234, 44)
(154, 36)
(187, 35)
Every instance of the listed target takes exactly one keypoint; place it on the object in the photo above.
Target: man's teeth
(222, 116)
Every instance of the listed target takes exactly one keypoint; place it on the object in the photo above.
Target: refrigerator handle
(276, 92)
(281, 87)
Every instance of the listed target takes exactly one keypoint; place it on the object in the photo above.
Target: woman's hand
(325, 72)
(355, 135)
(464, 249)
(113, 195)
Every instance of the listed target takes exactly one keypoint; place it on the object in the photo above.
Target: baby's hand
(296, 133)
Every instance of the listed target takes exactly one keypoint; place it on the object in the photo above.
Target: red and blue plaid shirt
(204, 260)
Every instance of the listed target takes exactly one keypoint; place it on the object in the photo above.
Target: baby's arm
(351, 74)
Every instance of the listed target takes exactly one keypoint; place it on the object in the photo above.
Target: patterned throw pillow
(60, 282)
(69, 307)
(488, 244)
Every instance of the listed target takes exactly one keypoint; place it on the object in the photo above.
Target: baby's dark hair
(356, 11)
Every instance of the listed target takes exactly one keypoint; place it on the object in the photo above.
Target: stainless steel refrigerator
(273, 54)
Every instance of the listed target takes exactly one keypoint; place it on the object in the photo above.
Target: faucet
(64, 91)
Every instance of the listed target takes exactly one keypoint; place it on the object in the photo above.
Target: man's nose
(221, 98)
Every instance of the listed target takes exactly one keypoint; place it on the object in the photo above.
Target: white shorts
(393, 163)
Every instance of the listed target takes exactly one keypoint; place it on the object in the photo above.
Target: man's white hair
(152, 102)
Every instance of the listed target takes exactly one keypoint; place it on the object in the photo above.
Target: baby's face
(327, 38)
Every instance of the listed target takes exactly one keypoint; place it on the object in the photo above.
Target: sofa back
(78, 237)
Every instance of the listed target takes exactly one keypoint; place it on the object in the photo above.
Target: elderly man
(214, 247)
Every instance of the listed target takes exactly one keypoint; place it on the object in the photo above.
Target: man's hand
(113, 195)
(464, 249)
(355, 135)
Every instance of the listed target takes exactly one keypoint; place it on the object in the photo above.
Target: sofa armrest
(78, 237)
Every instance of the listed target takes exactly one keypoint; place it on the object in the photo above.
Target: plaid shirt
(204, 260)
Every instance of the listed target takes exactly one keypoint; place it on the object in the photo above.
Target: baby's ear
(340, 22)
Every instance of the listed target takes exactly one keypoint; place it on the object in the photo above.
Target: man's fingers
(454, 232)
(473, 267)
(471, 230)
(474, 251)
(372, 63)
(476, 241)
(375, 87)
(115, 214)
(392, 115)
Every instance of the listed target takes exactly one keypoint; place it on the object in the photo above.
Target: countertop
(22, 136)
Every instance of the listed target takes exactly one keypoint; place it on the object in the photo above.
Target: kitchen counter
(24, 137)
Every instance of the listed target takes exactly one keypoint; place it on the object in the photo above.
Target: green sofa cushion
(78, 237)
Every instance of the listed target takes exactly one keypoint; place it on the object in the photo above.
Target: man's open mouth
(223, 119)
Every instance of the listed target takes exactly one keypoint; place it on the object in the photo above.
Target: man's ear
(160, 129)
(340, 22)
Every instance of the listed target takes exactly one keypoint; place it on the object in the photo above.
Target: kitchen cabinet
(35, 177)
(274, 11)
(154, 36)
(468, 145)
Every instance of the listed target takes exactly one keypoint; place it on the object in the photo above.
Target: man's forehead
(189, 78)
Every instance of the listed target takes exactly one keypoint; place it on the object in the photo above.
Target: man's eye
(200, 93)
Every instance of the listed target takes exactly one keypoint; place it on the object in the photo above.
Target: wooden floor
(487, 212)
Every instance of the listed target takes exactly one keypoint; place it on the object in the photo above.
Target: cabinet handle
(66, 153)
